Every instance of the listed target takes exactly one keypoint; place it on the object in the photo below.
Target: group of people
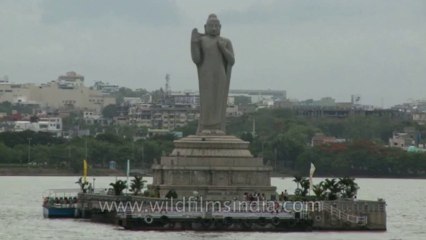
(283, 196)
(250, 197)
(60, 200)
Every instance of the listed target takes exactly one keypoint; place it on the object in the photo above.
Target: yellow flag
(84, 171)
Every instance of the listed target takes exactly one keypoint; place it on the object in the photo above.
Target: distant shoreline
(30, 172)
(286, 175)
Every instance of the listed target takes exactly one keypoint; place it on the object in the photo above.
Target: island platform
(142, 213)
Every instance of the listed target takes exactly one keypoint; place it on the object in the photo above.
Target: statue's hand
(221, 44)
(195, 35)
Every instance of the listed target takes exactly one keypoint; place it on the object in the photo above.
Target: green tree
(305, 184)
(110, 138)
(242, 100)
(7, 154)
(247, 136)
(171, 194)
(127, 92)
(118, 186)
(137, 185)
(84, 185)
(298, 180)
(348, 187)
(332, 188)
(111, 111)
(319, 191)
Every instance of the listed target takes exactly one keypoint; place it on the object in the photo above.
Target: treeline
(42, 149)
(283, 139)
(362, 158)
(9, 108)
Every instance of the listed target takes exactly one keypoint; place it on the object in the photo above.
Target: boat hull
(54, 212)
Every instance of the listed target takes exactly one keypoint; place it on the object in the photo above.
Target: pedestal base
(216, 167)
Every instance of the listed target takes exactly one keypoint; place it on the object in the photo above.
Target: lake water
(21, 213)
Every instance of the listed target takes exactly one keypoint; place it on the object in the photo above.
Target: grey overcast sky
(311, 49)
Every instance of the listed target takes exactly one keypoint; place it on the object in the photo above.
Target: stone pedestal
(218, 167)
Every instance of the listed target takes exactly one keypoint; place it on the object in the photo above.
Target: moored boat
(60, 203)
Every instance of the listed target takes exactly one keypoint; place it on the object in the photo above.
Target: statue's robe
(214, 74)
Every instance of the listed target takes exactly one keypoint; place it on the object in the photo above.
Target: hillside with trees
(281, 137)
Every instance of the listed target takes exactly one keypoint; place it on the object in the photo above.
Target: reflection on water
(21, 213)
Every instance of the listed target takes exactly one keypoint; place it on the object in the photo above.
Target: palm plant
(298, 180)
(157, 191)
(319, 190)
(83, 184)
(305, 184)
(137, 185)
(119, 186)
(171, 194)
(332, 188)
(348, 187)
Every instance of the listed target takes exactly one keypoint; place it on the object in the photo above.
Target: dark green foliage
(319, 191)
(302, 186)
(189, 129)
(110, 138)
(332, 189)
(111, 111)
(362, 158)
(137, 185)
(281, 138)
(171, 194)
(118, 186)
(348, 187)
(153, 192)
(247, 136)
(8, 107)
(84, 185)
(49, 151)
(305, 186)
(11, 139)
(329, 189)
(242, 100)
(298, 180)
(127, 92)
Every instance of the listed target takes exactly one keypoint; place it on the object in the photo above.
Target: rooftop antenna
(167, 87)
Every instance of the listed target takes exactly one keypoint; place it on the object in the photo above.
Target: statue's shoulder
(225, 39)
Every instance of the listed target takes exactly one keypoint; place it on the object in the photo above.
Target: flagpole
(128, 174)
(84, 171)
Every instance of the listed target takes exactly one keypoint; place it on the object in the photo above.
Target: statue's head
(212, 26)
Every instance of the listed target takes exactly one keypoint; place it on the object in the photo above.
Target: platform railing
(341, 215)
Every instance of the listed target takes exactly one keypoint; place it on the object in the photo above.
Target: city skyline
(311, 50)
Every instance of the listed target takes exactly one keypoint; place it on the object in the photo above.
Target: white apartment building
(401, 140)
(106, 88)
(232, 111)
(52, 125)
(147, 115)
(420, 117)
